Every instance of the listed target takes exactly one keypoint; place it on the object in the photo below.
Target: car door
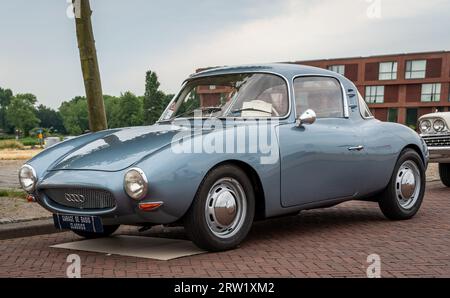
(321, 161)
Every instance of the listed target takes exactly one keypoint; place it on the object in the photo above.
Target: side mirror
(307, 118)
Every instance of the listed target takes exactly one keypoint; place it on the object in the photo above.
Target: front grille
(437, 141)
(81, 198)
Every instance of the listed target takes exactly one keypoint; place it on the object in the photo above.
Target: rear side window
(321, 94)
(363, 108)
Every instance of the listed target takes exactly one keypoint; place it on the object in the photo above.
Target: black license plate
(78, 222)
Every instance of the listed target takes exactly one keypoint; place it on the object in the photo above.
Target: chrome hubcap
(226, 207)
(407, 184)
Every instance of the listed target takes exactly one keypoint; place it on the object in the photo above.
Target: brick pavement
(9, 171)
(333, 242)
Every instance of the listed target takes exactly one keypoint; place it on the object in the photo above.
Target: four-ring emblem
(74, 198)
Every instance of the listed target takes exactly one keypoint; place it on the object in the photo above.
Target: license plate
(78, 222)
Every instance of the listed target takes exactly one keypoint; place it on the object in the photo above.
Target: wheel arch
(415, 148)
(260, 201)
(408, 146)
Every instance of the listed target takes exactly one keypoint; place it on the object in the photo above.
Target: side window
(363, 108)
(321, 94)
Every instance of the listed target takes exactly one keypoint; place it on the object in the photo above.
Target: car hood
(119, 149)
(442, 115)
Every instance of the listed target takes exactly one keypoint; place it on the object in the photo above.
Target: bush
(7, 137)
(30, 141)
(10, 144)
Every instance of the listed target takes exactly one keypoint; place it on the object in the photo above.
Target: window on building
(411, 118)
(388, 71)
(374, 94)
(415, 69)
(431, 92)
(392, 115)
(340, 69)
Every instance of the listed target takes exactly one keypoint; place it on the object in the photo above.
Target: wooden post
(89, 66)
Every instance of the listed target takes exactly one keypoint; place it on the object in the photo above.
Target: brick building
(400, 87)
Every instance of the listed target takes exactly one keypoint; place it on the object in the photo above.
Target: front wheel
(444, 173)
(403, 196)
(107, 231)
(223, 209)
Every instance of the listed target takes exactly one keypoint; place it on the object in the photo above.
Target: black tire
(196, 223)
(389, 202)
(107, 231)
(444, 173)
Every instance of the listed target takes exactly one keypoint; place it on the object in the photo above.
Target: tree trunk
(89, 66)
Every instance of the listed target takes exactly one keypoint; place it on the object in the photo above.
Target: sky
(39, 53)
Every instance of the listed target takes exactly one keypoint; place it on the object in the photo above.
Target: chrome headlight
(438, 125)
(135, 183)
(27, 178)
(425, 126)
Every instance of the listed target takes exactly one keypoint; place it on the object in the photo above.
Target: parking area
(333, 242)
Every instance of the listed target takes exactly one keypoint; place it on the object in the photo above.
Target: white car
(434, 129)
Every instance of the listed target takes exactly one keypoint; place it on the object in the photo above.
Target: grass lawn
(18, 154)
(13, 193)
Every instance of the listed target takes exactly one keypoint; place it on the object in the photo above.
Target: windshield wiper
(249, 109)
(209, 110)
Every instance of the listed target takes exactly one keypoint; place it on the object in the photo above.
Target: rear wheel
(444, 173)
(403, 196)
(223, 209)
(107, 231)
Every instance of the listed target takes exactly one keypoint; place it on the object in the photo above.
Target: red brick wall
(372, 71)
(351, 72)
(423, 111)
(434, 68)
(391, 93)
(381, 114)
(210, 100)
(413, 92)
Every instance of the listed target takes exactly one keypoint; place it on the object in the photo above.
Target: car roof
(287, 70)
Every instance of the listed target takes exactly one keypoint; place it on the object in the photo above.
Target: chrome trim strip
(170, 103)
(436, 136)
(344, 93)
(439, 149)
(57, 209)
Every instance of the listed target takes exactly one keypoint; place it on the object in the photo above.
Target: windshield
(252, 95)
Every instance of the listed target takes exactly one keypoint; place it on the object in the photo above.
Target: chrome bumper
(439, 154)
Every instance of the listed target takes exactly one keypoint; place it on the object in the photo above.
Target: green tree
(126, 111)
(5, 98)
(111, 103)
(21, 112)
(74, 114)
(50, 119)
(154, 101)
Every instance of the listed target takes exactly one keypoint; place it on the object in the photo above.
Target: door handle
(357, 148)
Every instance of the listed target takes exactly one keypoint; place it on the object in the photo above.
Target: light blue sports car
(234, 145)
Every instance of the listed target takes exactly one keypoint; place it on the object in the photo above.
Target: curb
(27, 228)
